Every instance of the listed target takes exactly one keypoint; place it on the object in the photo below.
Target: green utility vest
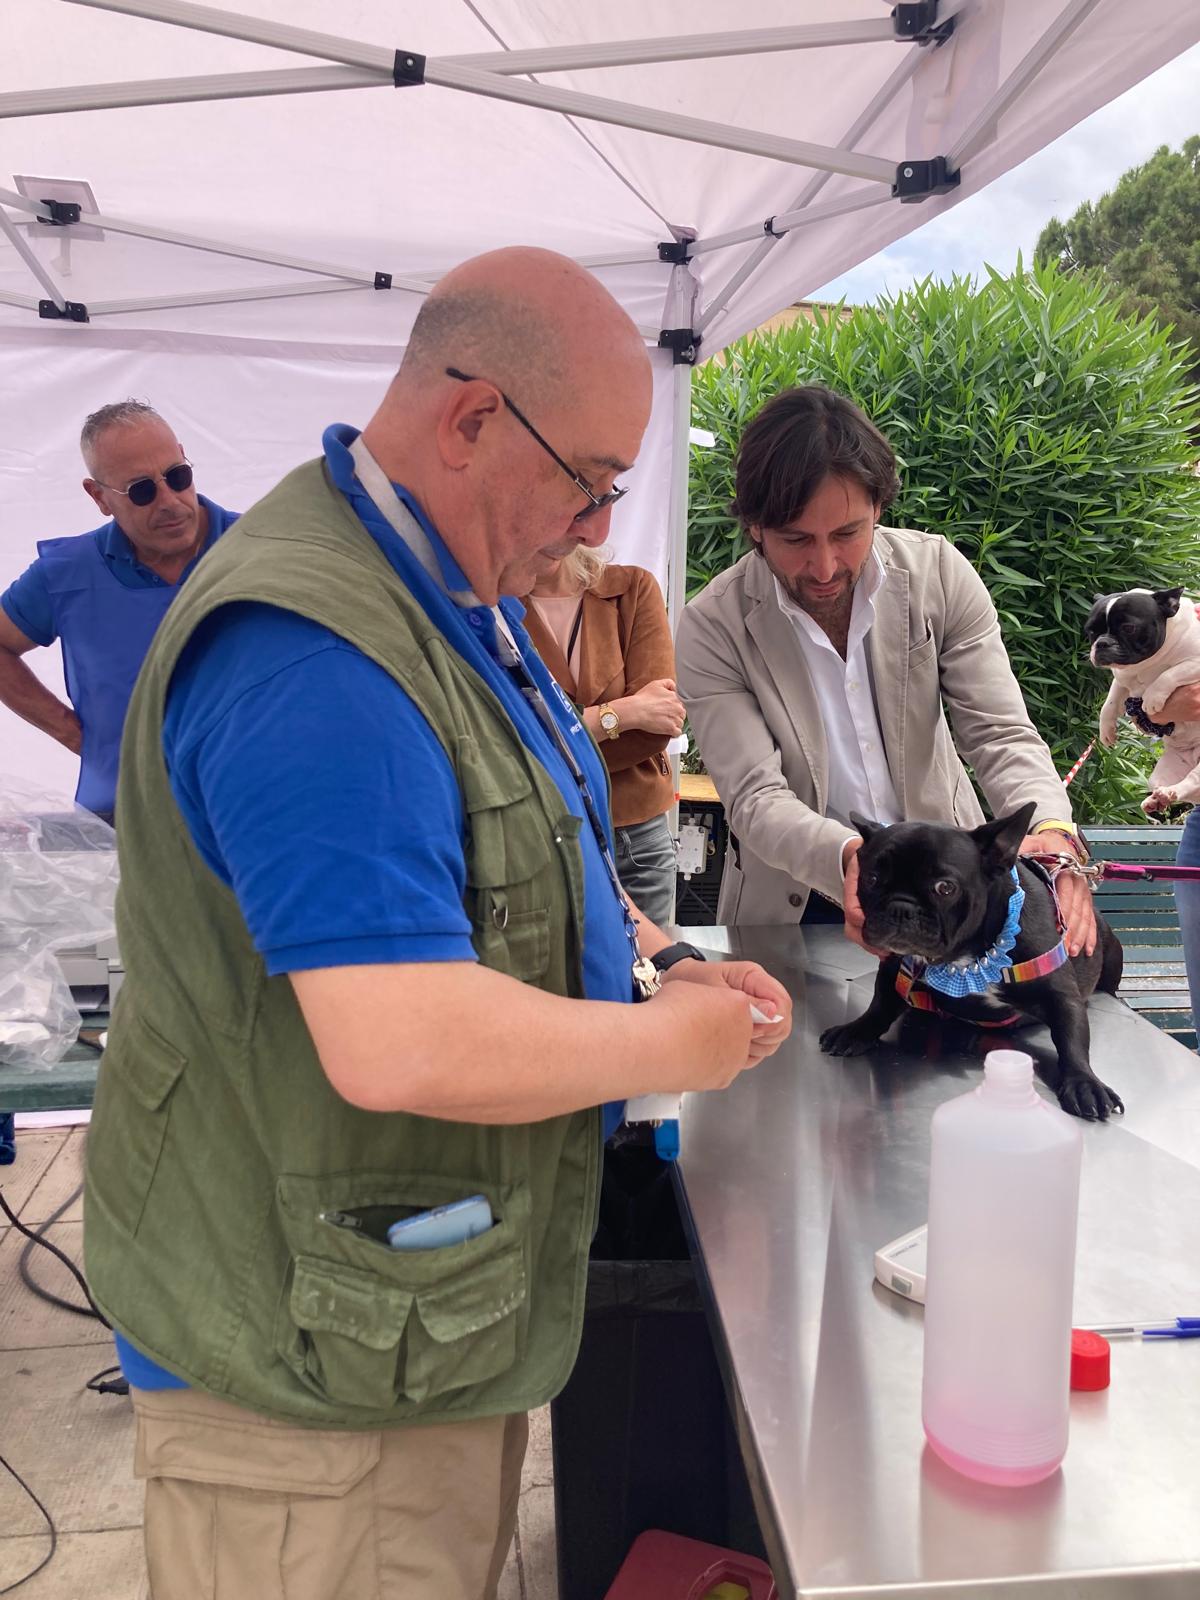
(236, 1206)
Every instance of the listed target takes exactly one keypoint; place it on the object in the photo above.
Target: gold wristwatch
(610, 722)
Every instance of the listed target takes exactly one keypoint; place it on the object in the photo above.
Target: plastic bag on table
(58, 880)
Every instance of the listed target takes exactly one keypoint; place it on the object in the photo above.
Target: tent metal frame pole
(677, 47)
(177, 91)
(141, 230)
(29, 256)
(211, 297)
(1060, 30)
(25, 302)
(677, 516)
(888, 91)
(445, 74)
(775, 227)
(677, 522)
(20, 202)
(671, 125)
(625, 258)
(254, 30)
(553, 58)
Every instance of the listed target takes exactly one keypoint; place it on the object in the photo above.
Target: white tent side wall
(408, 181)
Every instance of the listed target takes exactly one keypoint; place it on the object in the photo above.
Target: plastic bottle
(1003, 1210)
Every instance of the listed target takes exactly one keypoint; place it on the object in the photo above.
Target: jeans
(646, 867)
(1187, 899)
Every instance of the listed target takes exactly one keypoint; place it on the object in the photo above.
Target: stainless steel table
(793, 1178)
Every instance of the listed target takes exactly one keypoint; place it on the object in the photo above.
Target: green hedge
(1048, 435)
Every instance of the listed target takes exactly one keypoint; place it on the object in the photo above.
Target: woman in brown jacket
(602, 630)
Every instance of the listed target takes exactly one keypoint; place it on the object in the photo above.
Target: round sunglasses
(142, 491)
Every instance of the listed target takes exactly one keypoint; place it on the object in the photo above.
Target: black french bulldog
(942, 893)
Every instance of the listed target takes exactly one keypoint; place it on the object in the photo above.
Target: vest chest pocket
(367, 1326)
(137, 1081)
(508, 839)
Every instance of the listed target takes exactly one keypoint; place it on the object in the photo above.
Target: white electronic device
(900, 1266)
(691, 850)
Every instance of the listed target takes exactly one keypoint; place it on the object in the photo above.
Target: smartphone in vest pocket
(443, 1225)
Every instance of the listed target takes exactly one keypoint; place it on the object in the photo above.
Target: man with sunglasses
(379, 970)
(104, 593)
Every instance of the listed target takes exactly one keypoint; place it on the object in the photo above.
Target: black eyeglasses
(598, 501)
(142, 491)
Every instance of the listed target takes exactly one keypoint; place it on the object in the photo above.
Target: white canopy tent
(253, 240)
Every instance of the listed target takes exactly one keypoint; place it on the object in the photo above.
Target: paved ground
(73, 1447)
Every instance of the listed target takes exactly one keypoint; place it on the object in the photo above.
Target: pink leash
(1130, 871)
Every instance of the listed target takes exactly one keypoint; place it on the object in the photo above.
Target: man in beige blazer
(818, 671)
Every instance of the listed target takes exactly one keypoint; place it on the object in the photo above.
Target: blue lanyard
(379, 490)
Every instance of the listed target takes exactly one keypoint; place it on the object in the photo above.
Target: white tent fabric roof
(411, 180)
(408, 181)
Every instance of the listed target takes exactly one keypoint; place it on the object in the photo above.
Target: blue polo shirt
(314, 787)
(91, 592)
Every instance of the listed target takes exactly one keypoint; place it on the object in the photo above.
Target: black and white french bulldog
(1149, 639)
(942, 894)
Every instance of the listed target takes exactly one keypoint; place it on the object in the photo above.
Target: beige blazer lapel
(776, 639)
(888, 647)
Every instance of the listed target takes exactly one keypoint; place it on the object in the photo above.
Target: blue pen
(1181, 1328)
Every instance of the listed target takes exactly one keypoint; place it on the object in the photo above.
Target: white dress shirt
(859, 779)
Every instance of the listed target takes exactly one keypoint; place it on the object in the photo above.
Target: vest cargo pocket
(512, 942)
(368, 1326)
(504, 846)
(134, 1089)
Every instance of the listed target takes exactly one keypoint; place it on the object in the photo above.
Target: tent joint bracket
(917, 180)
(683, 343)
(73, 311)
(383, 280)
(676, 251)
(917, 23)
(62, 213)
(408, 68)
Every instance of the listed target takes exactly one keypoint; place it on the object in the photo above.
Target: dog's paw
(1159, 800)
(1085, 1096)
(848, 1040)
(1108, 733)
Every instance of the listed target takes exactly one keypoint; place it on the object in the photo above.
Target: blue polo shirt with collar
(91, 592)
(292, 758)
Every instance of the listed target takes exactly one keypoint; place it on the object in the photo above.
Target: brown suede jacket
(624, 644)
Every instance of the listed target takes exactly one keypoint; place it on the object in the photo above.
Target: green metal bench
(1145, 918)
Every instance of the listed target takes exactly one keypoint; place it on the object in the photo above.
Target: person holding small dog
(1183, 707)
(818, 671)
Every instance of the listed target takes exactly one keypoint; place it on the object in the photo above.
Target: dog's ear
(1168, 600)
(865, 826)
(1099, 599)
(1000, 841)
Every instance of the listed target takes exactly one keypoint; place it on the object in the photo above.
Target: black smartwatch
(666, 958)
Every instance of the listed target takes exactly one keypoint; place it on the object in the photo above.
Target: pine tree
(1144, 238)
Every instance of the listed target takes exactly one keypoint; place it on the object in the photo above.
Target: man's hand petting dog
(944, 895)
(1074, 895)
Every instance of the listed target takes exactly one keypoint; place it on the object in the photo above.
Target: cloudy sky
(992, 226)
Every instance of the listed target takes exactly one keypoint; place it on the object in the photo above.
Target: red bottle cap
(1089, 1360)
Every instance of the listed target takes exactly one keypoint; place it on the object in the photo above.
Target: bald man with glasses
(104, 593)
